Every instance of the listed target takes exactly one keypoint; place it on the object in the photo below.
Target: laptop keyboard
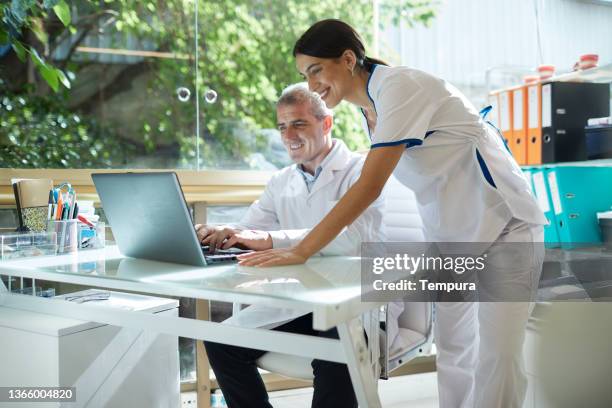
(220, 258)
(222, 255)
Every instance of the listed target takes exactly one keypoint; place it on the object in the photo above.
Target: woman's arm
(377, 169)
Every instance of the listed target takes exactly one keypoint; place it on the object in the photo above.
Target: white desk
(328, 287)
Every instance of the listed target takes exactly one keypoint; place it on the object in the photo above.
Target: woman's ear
(349, 59)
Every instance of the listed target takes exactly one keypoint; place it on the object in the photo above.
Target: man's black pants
(242, 386)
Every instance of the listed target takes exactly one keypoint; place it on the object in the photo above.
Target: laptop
(151, 220)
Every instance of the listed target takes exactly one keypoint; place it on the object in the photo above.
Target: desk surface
(329, 287)
(325, 284)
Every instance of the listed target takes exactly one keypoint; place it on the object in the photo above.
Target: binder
(577, 193)
(545, 202)
(566, 108)
(519, 124)
(534, 124)
(528, 174)
(505, 116)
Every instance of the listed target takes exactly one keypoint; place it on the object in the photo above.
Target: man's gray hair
(299, 93)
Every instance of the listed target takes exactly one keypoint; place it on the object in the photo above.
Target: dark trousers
(242, 386)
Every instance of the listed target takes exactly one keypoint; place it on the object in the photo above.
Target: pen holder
(67, 234)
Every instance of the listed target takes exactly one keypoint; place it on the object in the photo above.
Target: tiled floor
(414, 391)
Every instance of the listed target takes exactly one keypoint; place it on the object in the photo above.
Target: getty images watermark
(410, 265)
(504, 272)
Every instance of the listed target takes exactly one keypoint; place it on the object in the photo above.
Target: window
(159, 84)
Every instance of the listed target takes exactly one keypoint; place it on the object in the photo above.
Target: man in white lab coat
(295, 199)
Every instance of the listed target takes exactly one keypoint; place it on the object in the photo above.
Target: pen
(50, 211)
(71, 213)
(60, 207)
(85, 220)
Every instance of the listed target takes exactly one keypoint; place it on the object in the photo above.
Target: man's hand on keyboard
(250, 239)
(214, 236)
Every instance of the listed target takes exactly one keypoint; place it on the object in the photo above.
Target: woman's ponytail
(368, 63)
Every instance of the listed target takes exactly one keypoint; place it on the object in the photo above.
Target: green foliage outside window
(244, 54)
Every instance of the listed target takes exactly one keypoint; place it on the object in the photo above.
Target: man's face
(304, 136)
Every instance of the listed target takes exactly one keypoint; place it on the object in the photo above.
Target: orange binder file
(519, 124)
(534, 124)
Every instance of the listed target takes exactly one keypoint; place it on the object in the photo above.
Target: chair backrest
(402, 220)
(416, 316)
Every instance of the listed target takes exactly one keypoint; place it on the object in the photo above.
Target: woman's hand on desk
(273, 257)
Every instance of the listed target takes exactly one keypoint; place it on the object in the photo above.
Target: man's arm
(259, 228)
(261, 215)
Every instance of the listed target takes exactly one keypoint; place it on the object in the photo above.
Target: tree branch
(88, 22)
(74, 46)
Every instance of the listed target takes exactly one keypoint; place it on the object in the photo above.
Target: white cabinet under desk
(108, 365)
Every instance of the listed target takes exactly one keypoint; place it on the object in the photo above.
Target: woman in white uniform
(468, 188)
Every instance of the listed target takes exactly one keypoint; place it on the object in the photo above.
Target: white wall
(468, 37)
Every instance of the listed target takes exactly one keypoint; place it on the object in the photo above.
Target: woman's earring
(353, 71)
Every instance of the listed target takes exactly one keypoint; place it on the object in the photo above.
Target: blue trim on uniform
(408, 142)
(370, 97)
(499, 132)
(367, 126)
(483, 113)
(485, 170)
(368, 87)
(428, 133)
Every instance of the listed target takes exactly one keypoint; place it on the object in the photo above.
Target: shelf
(599, 74)
(602, 74)
(594, 162)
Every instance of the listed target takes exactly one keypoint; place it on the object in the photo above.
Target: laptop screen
(149, 216)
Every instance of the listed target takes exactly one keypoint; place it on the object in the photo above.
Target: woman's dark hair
(329, 39)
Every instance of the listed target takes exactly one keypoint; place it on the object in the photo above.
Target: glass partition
(131, 96)
(156, 84)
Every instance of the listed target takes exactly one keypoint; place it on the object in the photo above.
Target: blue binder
(578, 191)
(527, 172)
(542, 195)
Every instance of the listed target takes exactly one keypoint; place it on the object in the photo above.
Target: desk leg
(202, 365)
(358, 362)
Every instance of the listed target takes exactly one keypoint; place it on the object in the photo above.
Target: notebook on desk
(150, 219)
